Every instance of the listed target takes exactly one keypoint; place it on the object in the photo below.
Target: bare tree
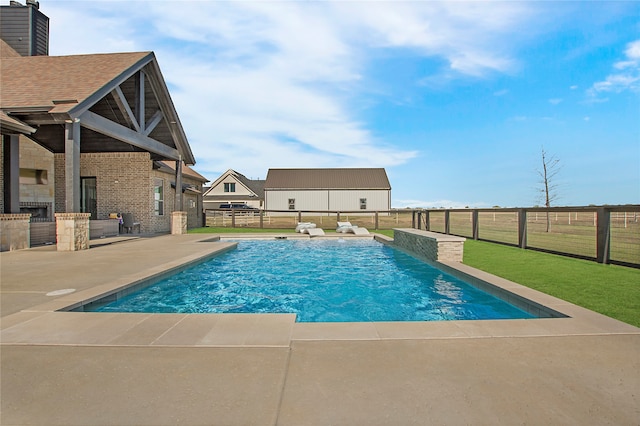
(548, 185)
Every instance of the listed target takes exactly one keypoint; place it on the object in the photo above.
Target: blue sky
(456, 100)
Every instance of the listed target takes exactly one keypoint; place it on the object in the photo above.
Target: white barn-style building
(335, 190)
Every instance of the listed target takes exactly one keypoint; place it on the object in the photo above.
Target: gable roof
(45, 81)
(99, 91)
(346, 178)
(254, 185)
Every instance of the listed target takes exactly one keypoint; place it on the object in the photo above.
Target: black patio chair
(128, 224)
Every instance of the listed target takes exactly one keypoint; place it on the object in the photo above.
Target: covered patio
(106, 117)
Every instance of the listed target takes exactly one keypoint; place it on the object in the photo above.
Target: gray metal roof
(346, 178)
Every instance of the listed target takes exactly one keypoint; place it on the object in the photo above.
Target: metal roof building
(340, 189)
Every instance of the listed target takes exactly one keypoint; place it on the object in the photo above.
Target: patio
(78, 368)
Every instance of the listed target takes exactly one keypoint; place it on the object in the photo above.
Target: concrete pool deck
(77, 368)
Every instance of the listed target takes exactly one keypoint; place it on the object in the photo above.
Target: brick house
(91, 134)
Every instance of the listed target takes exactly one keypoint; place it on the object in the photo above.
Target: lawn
(608, 289)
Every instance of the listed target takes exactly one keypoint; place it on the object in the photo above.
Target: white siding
(348, 200)
(240, 189)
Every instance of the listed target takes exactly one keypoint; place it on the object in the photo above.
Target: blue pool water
(323, 280)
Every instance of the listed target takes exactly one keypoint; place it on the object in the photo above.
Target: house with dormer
(234, 188)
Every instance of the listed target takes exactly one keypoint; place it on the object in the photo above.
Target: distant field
(572, 232)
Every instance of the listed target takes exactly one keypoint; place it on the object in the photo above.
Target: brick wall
(125, 184)
(122, 181)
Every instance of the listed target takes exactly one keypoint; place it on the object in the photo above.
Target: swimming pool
(320, 280)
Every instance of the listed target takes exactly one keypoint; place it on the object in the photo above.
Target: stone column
(178, 223)
(72, 231)
(15, 232)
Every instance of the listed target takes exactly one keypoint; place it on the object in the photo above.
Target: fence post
(427, 221)
(233, 218)
(338, 216)
(376, 221)
(413, 219)
(603, 234)
(419, 220)
(261, 219)
(474, 224)
(522, 228)
(447, 222)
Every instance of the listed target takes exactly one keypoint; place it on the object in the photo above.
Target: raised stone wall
(431, 246)
(14, 232)
(72, 231)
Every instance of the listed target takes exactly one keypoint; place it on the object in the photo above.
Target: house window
(89, 196)
(363, 203)
(229, 187)
(292, 203)
(158, 197)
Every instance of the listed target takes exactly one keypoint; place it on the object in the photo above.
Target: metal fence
(287, 219)
(607, 234)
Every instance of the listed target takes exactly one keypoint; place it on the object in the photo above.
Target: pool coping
(46, 324)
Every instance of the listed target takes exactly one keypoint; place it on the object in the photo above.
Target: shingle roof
(59, 83)
(347, 178)
(170, 167)
(6, 51)
(257, 186)
(12, 124)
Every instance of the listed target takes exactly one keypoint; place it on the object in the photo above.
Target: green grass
(608, 289)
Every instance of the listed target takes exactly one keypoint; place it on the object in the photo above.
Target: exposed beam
(161, 92)
(114, 130)
(155, 120)
(72, 166)
(178, 200)
(124, 108)
(139, 79)
(99, 94)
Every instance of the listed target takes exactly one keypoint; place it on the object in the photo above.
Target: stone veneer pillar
(15, 231)
(178, 223)
(72, 231)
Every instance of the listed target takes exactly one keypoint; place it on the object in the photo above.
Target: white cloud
(264, 84)
(626, 77)
(555, 101)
